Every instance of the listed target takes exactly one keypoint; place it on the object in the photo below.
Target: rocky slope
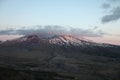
(63, 54)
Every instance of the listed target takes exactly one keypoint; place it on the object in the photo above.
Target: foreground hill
(63, 54)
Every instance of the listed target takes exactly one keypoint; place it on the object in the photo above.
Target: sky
(98, 20)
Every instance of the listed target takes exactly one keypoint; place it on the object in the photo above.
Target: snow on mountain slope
(65, 40)
(68, 40)
(61, 40)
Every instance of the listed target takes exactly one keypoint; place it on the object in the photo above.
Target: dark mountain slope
(63, 54)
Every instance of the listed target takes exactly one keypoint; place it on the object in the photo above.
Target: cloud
(55, 30)
(9, 31)
(114, 0)
(106, 5)
(112, 17)
(96, 27)
(114, 9)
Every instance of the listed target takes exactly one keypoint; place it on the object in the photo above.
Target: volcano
(63, 54)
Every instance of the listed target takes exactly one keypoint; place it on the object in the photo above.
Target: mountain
(60, 40)
(0, 42)
(63, 54)
(68, 40)
(65, 40)
(65, 43)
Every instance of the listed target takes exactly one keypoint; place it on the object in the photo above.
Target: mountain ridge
(34, 53)
(62, 40)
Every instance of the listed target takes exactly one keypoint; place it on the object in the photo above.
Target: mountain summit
(61, 54)
(60, 40)
(65, 40)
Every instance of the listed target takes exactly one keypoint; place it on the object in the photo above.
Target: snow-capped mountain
(65, 40)
(68, 40)
(58, 49)
(60, 40)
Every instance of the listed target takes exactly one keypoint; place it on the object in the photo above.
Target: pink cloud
(8, 37)
(111, 40)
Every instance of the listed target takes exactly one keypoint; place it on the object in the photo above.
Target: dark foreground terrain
(87, 72)
(12, 74)
(38, 59)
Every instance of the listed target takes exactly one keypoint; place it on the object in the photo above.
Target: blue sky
(83, 14)
(76, 13)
